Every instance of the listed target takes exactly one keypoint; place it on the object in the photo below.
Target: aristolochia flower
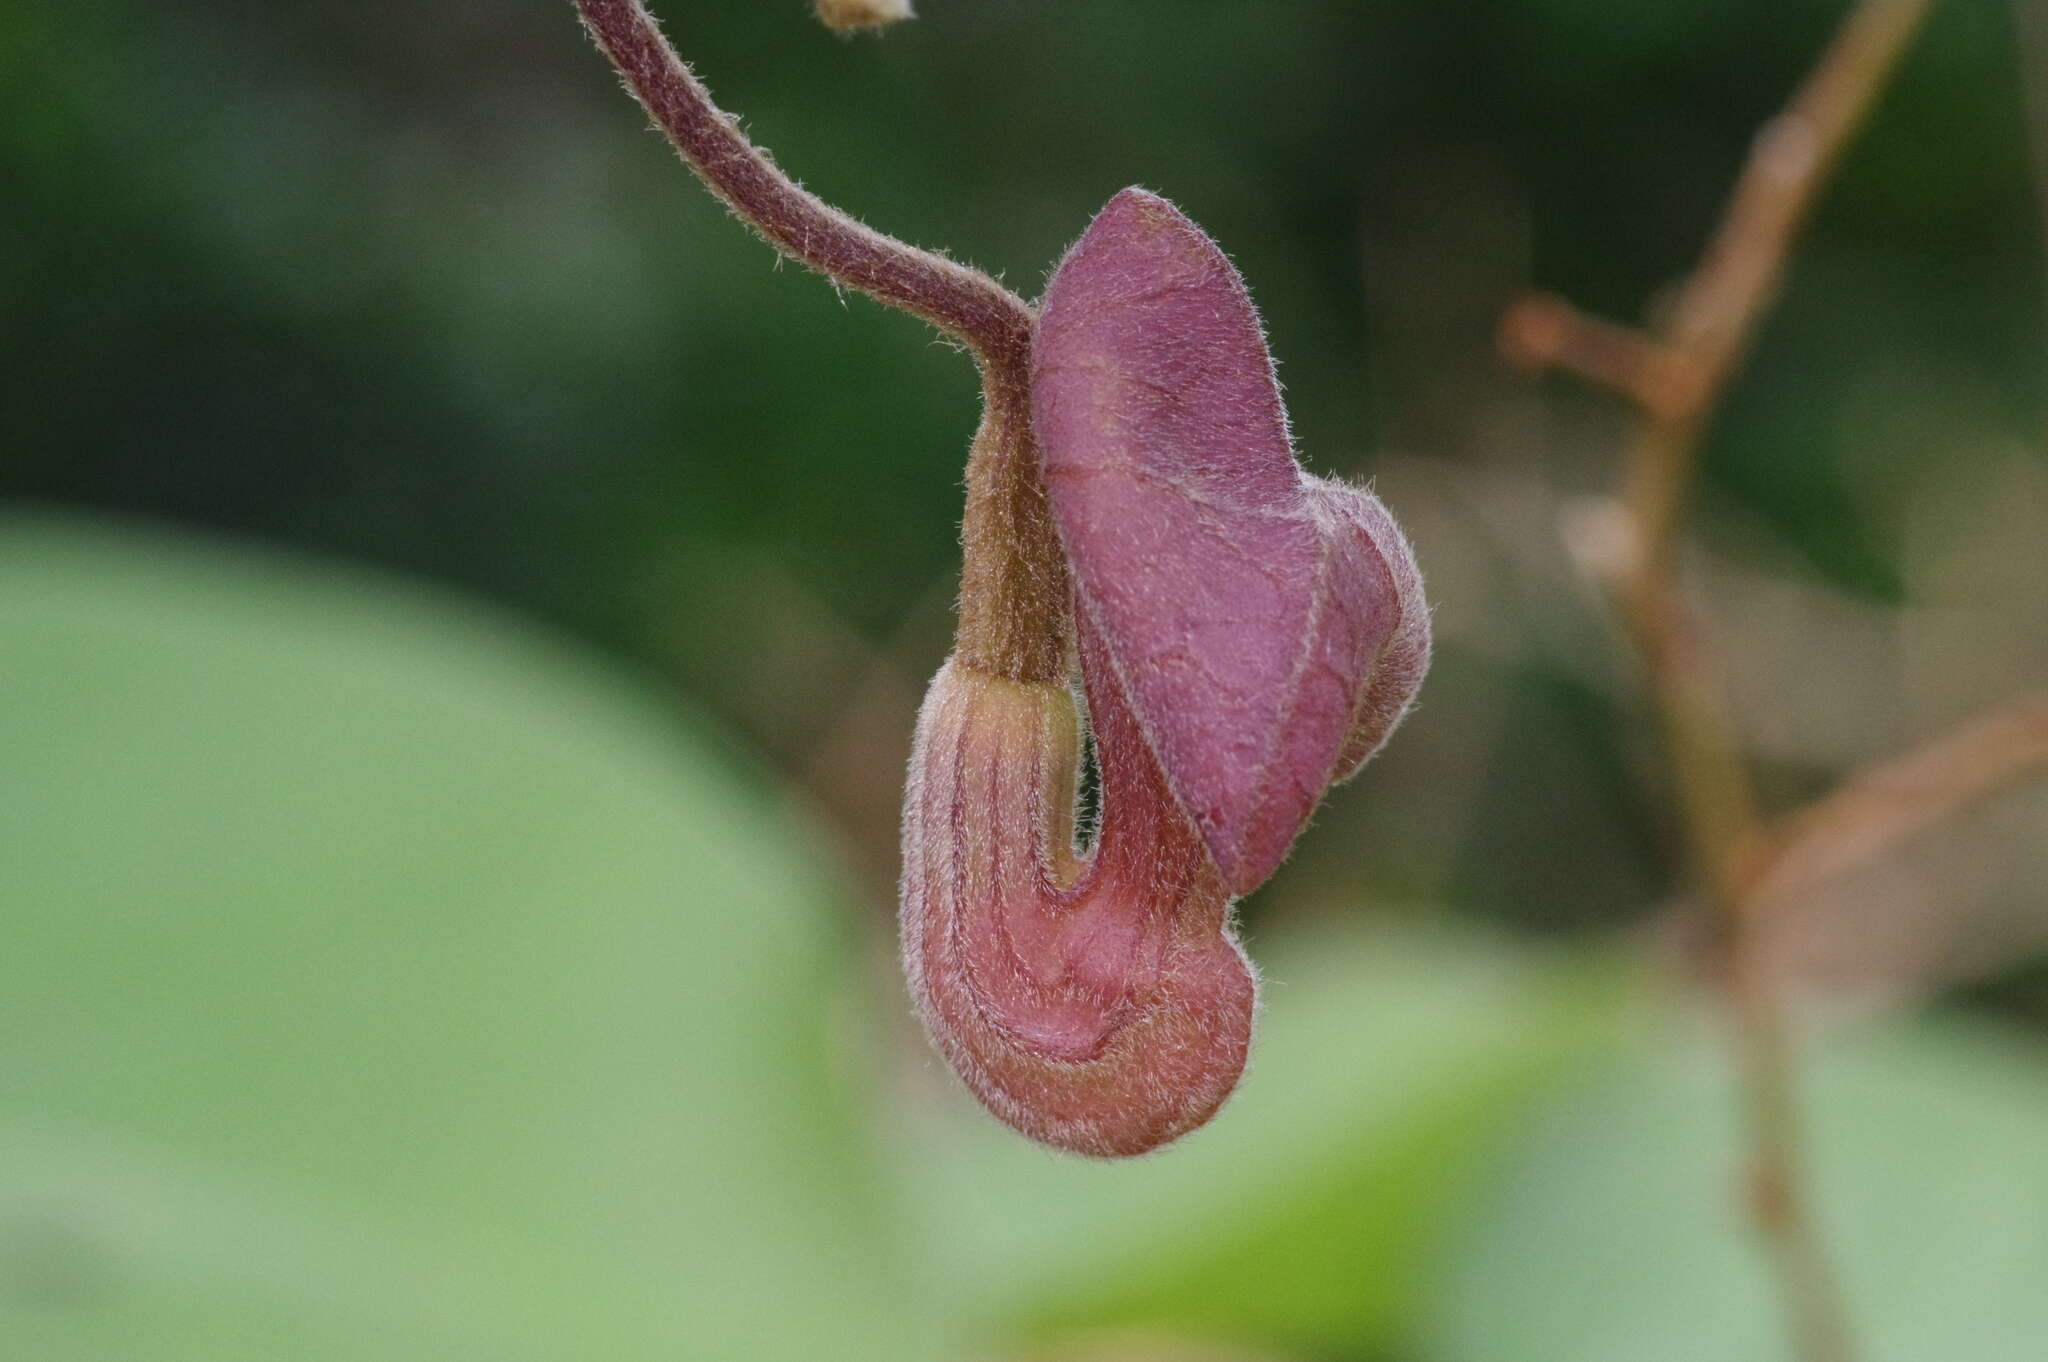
(1244, 635)
(1247, 636)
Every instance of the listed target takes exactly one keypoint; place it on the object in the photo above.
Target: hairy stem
(1013, 603)
(985, 316)
(1015, 606)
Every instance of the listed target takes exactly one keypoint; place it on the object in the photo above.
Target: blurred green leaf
(1615, 1234)
(384, 981)
(1387, 1066)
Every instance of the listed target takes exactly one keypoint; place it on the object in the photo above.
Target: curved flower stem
(1013, 598)
(1676, 377)
(985, 316)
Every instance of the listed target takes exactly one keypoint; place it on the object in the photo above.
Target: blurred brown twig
(1889, 802)
(1675, 374)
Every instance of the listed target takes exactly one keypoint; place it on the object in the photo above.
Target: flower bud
(1095, 1000)
(851, 16)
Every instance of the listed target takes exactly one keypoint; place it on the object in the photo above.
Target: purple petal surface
(1242, 605)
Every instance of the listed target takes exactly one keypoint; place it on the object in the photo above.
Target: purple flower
(1247, 636)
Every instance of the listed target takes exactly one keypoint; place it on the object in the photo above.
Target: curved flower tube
(1095, 1000)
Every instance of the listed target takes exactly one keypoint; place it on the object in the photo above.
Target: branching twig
(1676, 377)
(1719, 307)
(1874, 811)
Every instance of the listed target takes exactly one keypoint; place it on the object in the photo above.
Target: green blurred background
(462, 607)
